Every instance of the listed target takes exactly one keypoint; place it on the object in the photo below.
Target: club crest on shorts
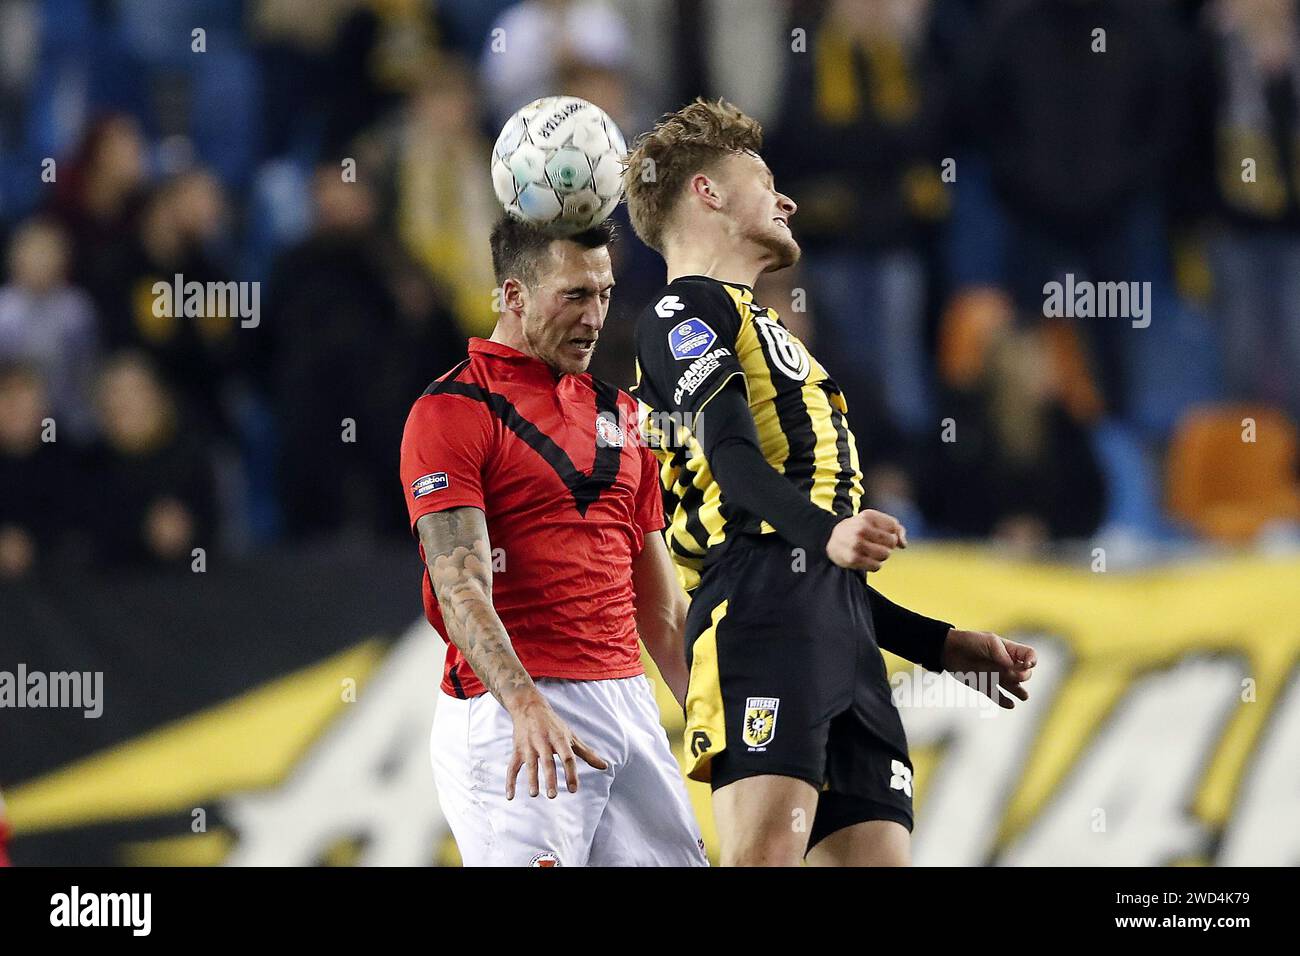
(760, 721)
(608, 434)
(545, 859)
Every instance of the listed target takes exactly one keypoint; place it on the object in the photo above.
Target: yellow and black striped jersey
(698, 335)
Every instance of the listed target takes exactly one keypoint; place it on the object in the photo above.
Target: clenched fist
(863, 542)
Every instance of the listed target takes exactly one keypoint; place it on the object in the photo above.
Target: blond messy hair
(682, 144)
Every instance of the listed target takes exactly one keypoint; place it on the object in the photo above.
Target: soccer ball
(558, 164)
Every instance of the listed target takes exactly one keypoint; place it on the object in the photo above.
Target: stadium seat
(1226, 486)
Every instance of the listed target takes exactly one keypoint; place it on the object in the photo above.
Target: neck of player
(722, 260)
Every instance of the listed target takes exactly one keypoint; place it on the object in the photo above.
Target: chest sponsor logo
(760, 721)
(697, 373)
(691, 339)
(428, 484)
(545, 859)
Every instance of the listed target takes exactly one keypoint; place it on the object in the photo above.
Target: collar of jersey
(738, 285)
(533, 367)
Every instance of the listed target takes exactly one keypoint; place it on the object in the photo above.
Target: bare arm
(459, 559)
(661, 613)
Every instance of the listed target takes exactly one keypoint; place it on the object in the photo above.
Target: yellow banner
(1163, 727)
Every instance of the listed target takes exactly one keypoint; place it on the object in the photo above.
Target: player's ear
(706, 189)
(514, 296)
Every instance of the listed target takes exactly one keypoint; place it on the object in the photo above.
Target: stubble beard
(780, 246)
(553, 358)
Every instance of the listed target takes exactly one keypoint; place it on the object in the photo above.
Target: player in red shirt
(4, 834)
(538, 511)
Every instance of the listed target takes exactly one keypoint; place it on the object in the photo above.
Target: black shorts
(787, 679)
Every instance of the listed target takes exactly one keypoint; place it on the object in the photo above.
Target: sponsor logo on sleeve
(428, 484)
(697, 373)
(691, 339)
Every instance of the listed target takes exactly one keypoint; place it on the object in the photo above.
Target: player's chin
(784, 251)
(574, 359)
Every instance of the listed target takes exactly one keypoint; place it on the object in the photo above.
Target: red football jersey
(569, 492)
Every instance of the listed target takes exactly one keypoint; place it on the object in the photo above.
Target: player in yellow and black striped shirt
(718, 335)
(788, 707)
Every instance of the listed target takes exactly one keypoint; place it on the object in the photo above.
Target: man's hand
(863, 542)
(540, 735)
(984, 661)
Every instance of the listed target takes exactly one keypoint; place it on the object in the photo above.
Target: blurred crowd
(949, 158)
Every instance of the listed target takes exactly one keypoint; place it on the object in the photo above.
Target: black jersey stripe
(455, 681)
(691, 500)
(585, 488)
(437, 386)
(795, 417)
(844, 477)
(793, 413)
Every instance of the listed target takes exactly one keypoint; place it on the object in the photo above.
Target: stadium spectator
(1256, 257)
(97, 194)
(532, 42)
(49, 322)
(858, 149)
(34, 474)
(153, 468)
(197, 354)
(442, 211)
(1018, 464)
(381, 51)
(1079, 130)
(356, 331)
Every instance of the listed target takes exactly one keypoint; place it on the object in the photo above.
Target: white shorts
(636, 813)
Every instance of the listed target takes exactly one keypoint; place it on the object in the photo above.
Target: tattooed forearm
(459, 559)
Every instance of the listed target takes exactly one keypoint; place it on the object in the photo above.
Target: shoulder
(691, 296)
(457, 395)
(457, 380)
(687, 317)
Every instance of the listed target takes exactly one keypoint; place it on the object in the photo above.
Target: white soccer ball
(558, 164)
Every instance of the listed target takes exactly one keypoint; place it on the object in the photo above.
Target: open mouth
(582, 345)
(781, 220)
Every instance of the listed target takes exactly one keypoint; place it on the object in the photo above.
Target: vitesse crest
(760, 720)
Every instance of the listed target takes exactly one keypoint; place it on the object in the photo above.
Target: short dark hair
(518, 247)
